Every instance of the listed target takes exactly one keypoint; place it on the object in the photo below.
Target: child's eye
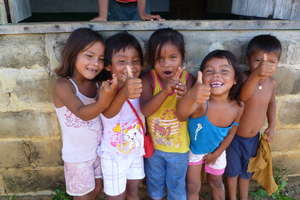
(89, 55)
(136, 62)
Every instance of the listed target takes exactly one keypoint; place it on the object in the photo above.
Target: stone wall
(30, 162)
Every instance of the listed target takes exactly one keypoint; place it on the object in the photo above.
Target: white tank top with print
(80, 138)
(123, 134)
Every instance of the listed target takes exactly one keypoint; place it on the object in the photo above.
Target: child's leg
(132, 189)
(176, 170)
(135, 173)
(98, 188)
(232, 187)
(80, 179)
(217, 186)
(194, 181)
(155, 168)
(244, 188)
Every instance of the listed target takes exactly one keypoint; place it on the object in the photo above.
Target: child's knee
(194, 187)
(216, 182)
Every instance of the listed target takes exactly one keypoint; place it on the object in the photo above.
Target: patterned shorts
(216, 168)
(80, 177)
(116, 172)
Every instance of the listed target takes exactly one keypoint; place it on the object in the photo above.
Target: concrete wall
(30, 162)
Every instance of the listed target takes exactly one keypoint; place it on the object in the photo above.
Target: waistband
(247, 138)
(129, 4)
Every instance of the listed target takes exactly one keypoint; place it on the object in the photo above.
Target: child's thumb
(129, 71)
(199, 77)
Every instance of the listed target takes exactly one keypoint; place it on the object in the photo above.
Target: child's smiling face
(167, 63)
(219, 75)
(121, 60)
(89, 62)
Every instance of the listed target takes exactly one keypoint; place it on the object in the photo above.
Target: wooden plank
(3, 15)
(258, 8)
(19, 10)
(283, 9)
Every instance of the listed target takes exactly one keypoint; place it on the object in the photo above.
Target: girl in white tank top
(79, 99)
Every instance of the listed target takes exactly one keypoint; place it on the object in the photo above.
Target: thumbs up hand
(133, 85)
(201, 92)
(265, 68)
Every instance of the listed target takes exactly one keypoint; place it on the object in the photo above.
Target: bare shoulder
(273, 82)
(62, 89)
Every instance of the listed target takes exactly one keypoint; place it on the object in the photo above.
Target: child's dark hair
(235, 90)
(77, 42)
(267, 43)
(118, 42)
(161, 37)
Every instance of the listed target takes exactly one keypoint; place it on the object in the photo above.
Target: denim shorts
(238, 155)
(117, 12)
(166, 175)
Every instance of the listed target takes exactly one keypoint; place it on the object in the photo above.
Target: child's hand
(270, 133)
(265, 68)
(201, 91)
(108, 87)
(210, 158)
(173, 83)
(133, 85)
(180, 88)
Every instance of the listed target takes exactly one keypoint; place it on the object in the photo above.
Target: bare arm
(271, 114)
(150, 103)
(103, 10)
(249, 87)
(64, 94)
(132, 89)
(142, 11)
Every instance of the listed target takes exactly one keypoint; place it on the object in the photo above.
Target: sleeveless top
(80, 138)
(167, 132)
(205, 136)
(123, 134)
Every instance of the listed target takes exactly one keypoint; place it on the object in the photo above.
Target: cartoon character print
(166, 129)
(72, 120)
(127, 137)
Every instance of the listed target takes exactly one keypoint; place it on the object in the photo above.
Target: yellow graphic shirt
(168, 133)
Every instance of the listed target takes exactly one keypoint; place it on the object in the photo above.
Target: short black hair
(267, 43)
(118, 42)
(235, 90)
(161, 37)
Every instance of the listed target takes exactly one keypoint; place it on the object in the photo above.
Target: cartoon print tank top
(168, 133)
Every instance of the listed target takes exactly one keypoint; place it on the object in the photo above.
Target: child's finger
(129, 71)
(178, 73)
(199, 77)
(114, 81)
(265, 57)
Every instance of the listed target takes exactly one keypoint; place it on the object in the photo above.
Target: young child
(210, 130)
(258, 94)
(78, 100)
(162, 86)
(122, 147)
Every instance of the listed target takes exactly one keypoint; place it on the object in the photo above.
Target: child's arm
(265, 69)
(212, 157)
(194, 98)
(102, 11)
(142, 11)
(64, 93)
(271, 114)
(132, 89)
(150, 103)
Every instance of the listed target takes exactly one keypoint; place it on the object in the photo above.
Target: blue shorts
(122, 11)
(238, 155)
(166, 174)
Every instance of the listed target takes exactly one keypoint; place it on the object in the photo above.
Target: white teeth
(216, 84)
